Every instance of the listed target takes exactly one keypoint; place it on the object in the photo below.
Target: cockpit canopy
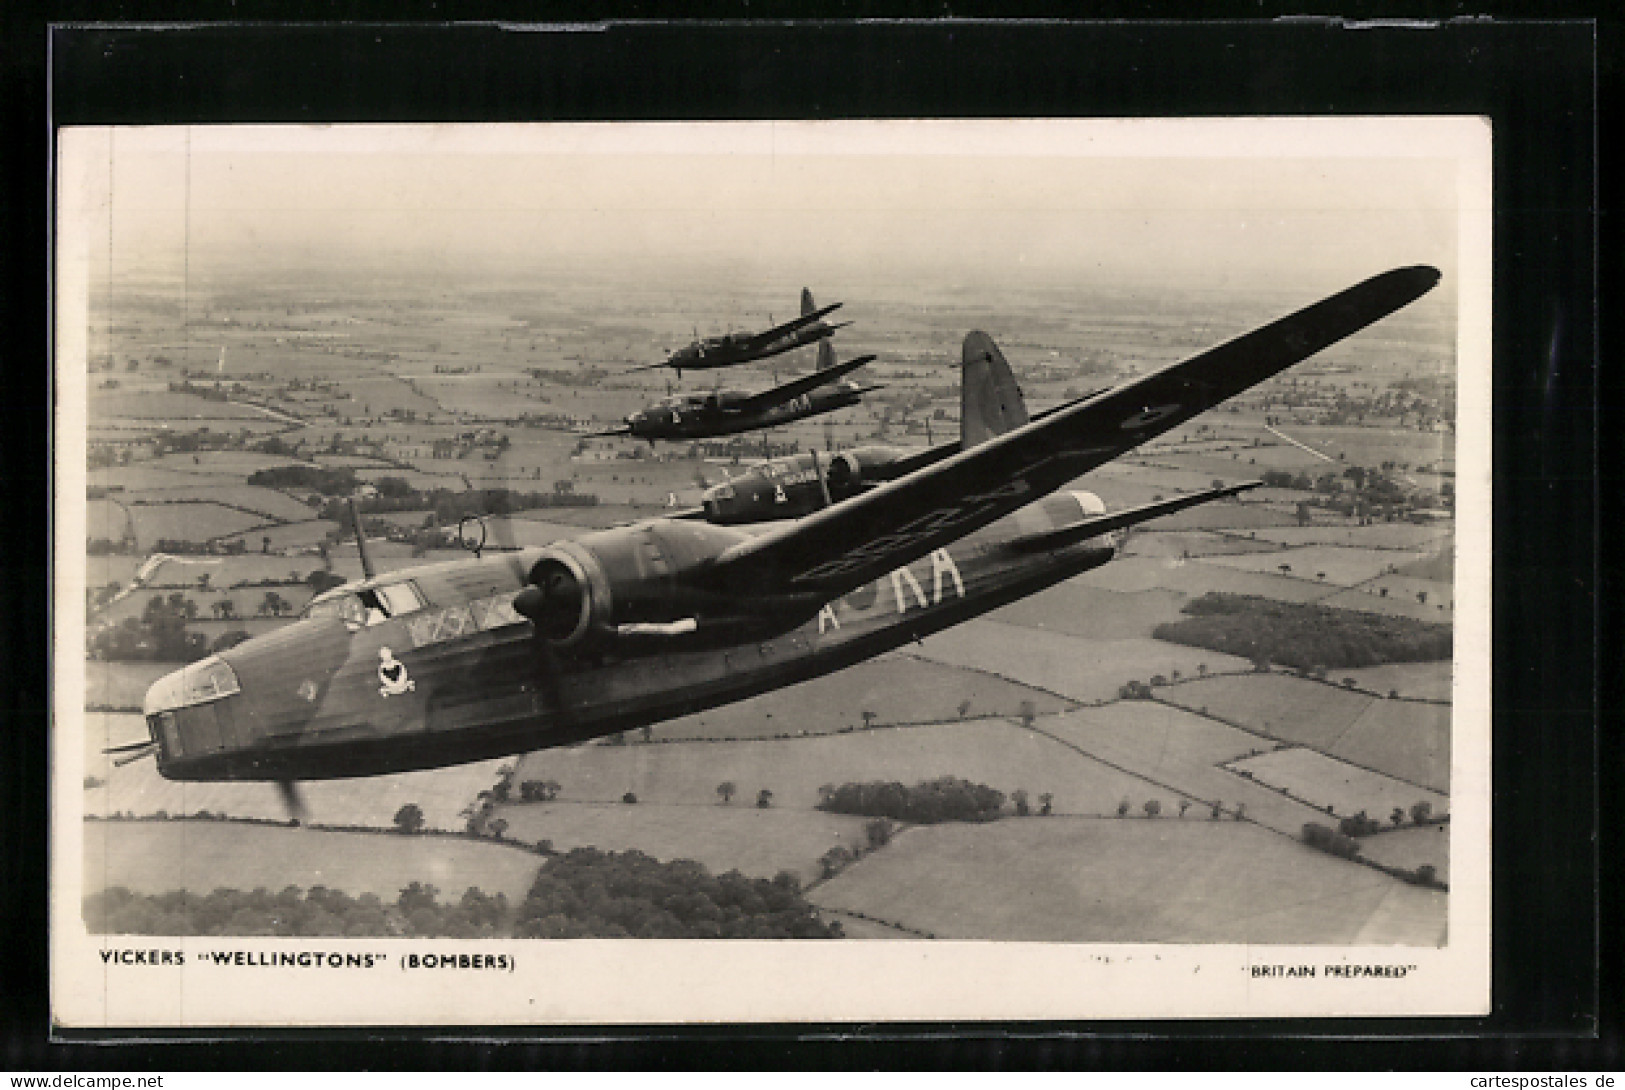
(364, 605)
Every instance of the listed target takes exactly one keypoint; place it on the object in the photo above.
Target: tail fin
(826, 354)
(807, 306)
(990, 402)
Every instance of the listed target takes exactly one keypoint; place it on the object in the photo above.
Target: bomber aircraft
(730, 412)
(506, 653)
(731, 349)
(990, 403)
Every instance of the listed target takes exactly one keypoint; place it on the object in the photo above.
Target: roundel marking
(1149, 415)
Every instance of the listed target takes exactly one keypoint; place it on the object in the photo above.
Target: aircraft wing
(845, 545)
(770, 335)
(789, 391)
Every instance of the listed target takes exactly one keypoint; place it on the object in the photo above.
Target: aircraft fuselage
(711, 421)
(457, 680)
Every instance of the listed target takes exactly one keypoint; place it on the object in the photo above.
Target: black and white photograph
(638, 572)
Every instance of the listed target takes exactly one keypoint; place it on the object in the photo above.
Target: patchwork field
(1339, 788)
(121, 684)
(1407, 740)
(1180, 755)
(202, 856)
(137, 789)
(1416, 680)
(1382, 535)
(898, 688)
(1401, 738)
(759, 843)
(1194, 578)
(1322, 563)
(1368, 598)
(998, 753)
(1411, 847)
(1197, 543)
(1308, 713)
(1076, 608)
(294, 535)
(1094, 880)
(1083, 671)
(188, 522)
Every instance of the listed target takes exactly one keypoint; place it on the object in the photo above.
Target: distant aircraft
(730, 412)
(621, 628)
(990, 403)
(736, 348)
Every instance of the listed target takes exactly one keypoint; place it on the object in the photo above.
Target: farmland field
(759, 843)
(122, 684)
(1411, 847)
(998, 753)
(1194, 578)
(188, 522)
(202, 856)
(1440, 566)
(1180, 755)
(1369, 598)
(1416, 680)
(1341, 567)
(1310, 713)
(1382, 535)
(372, 802)
(1326, 782)
(1077, 608)
(1196, 543)
(294, 535)
(1082, 670)
(106, 519)
(1405, 739)
(1105, 880)
(898, 688)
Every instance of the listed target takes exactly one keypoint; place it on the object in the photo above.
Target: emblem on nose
(393, 679)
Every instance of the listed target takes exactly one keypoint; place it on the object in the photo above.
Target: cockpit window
(399, 598)
(346, 607)
(369, 607)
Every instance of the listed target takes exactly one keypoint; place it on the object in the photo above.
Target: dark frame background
(1537, 81)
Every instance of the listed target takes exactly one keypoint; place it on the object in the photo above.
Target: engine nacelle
(628, 584)
(851, 470)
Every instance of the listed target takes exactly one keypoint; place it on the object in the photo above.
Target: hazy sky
(1285, 201)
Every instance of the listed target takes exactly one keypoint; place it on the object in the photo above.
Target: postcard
(570, 574)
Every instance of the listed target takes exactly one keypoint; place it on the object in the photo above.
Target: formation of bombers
(620, 628)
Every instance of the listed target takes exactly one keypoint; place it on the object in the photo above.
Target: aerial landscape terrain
(1239, 731)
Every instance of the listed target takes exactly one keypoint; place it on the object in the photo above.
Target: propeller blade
(293, 799)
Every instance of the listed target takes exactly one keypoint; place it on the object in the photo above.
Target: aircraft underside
(487, 699)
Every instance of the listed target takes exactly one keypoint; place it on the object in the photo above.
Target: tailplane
(990, 402)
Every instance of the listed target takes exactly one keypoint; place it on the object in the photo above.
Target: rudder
(990, 402)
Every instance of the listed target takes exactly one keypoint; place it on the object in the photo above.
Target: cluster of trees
(1328, 840)
(446, 507)
(335, 481)
(1304, 635)
(538, 791)
(877, 834)
(1362, 824)
(947, 798)
(727, 789)
(588, 893)
(158, 635)
(416, 912)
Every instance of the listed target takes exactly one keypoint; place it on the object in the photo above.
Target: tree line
(1304, 635)
(947, 798)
